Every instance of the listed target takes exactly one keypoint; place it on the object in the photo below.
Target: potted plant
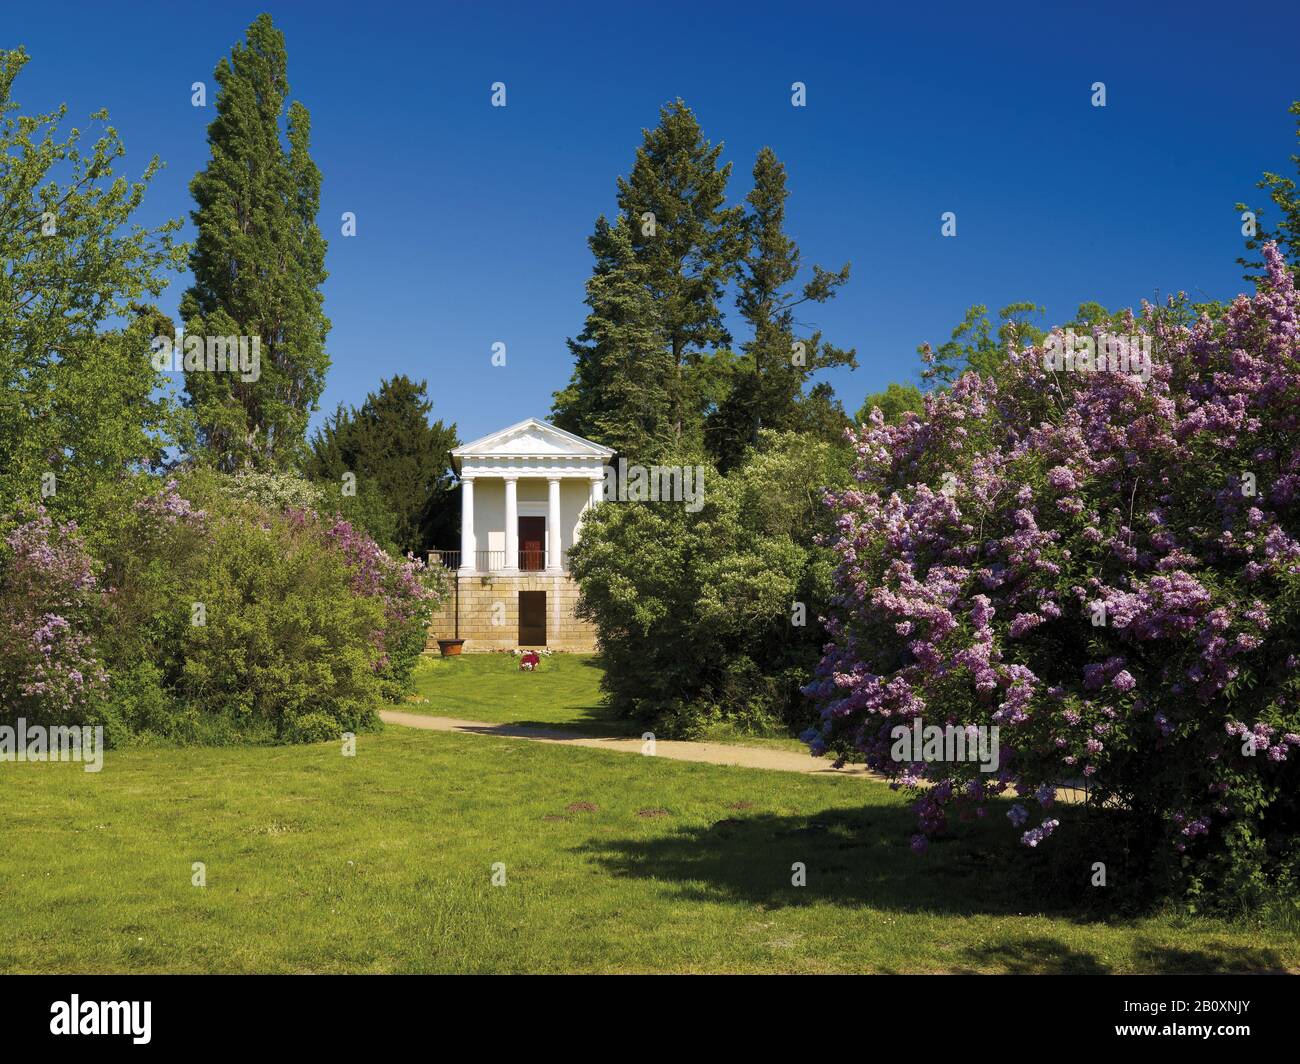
(450, 648)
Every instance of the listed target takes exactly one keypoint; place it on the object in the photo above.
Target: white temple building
(524, 492)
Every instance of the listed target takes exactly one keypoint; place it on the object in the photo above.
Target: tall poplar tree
(258, 263)
(768, 385)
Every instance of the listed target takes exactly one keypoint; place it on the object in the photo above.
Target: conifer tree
(389, 445)
(649, 361)
(689, 242)
(619, 393)
(768, 385)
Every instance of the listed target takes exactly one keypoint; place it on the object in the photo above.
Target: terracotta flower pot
(450, 648)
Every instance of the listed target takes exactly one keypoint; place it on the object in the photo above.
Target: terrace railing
(494, 561)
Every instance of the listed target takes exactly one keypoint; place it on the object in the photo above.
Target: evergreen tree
(768, 388)
(619, 392)
(392, 449)
(258, 264)
(688, 242)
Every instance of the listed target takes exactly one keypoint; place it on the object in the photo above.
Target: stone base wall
(489, 613)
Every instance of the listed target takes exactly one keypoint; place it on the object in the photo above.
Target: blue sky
(472, 220)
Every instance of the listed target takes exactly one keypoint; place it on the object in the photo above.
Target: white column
(512, 525)
(467, 541)
(554, 535)
(597, 492)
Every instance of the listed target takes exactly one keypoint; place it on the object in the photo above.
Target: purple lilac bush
(1107, 569)
(49, 595)
(407, 587)
(222, 622)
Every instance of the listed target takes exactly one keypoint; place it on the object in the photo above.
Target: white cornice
(565, 454)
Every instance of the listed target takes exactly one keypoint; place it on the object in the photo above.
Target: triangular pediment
(532, 438)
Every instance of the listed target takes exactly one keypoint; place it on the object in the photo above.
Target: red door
(532, 543)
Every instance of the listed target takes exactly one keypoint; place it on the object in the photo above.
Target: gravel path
(673, 750)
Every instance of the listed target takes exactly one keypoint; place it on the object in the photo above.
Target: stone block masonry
(489, 613)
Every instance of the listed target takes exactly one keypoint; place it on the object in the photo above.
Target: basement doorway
(532, 618)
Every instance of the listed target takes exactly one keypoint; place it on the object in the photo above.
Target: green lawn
(563, 692)
(382, 862)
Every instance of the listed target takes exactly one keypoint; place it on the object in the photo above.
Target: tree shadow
(1033, 956)
(1208, 958)
(595, 721)
(861, 858)
(855, 858)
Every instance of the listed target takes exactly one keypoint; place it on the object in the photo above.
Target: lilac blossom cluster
(169, 507)
(1109, 573)
(408, 588)
(49, 672)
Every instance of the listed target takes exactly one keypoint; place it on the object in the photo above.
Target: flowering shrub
(49, 603)
(233, 622)
(408, 589)
(276, 492)
(529, 661)
(1105, 568)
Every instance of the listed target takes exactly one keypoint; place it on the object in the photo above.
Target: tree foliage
(258, 263)
(974, 347)
(399, 461)
(895, 401)
(711, 617)
(1282, 192)
(685, 247)
(79, 397)
(1104, 566)
(767, 389)
(619, 394)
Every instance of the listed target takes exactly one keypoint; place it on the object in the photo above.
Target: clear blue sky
(473, 220)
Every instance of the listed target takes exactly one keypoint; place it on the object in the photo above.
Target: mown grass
(563, 692)
(382, 862)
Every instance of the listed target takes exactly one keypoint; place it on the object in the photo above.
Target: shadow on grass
(598, 722)
(1049, 956)
(861, 858)
(857, 857)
